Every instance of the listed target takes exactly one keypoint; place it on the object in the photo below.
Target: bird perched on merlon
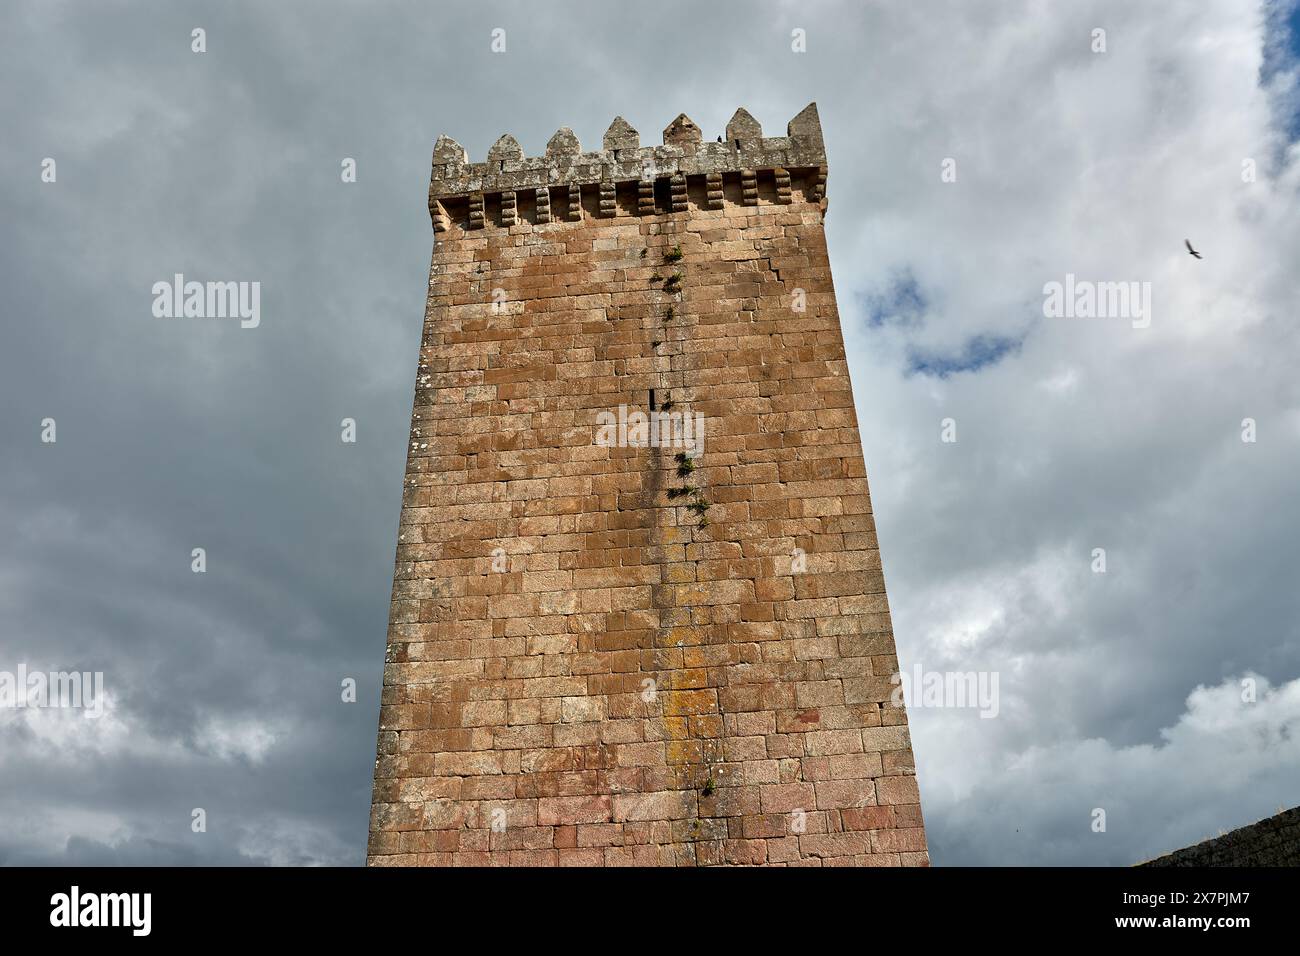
(1188, 244)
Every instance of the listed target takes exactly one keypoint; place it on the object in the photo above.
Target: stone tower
(638, 612)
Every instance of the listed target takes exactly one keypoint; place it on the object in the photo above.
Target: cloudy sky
(1120, 691)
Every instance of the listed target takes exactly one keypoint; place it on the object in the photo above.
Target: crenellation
(683, 133)
(743, 129)
(621, 137)
(622, 159)
(563, 144)
(446, 151)
(504, 150)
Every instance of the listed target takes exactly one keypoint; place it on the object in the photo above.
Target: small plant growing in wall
(668, 316)
(698, 506)
(673, 283)
(675, 255)
(681, 492)
(684, 465)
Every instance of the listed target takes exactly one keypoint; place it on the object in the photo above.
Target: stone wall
(1271, 842)
(607, 651)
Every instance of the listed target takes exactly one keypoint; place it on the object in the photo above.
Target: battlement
(743, 153)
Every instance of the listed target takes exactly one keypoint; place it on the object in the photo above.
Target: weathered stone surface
(563, 143)
(447, 150)
(621, 135)
(1271, 842)
(682, 132)
(622, 160)
(505, 149)
(609, 654)
(743, 128)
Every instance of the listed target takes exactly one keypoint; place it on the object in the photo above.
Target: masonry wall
(588, 663)
(1271, 842)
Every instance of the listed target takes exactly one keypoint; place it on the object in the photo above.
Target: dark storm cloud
(175, 434)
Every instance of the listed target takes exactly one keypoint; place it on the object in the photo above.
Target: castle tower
(638, 610)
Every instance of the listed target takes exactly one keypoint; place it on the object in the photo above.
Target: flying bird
(1188, 244)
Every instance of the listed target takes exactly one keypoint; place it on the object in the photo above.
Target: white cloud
(1222, 764)
(248, 738)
